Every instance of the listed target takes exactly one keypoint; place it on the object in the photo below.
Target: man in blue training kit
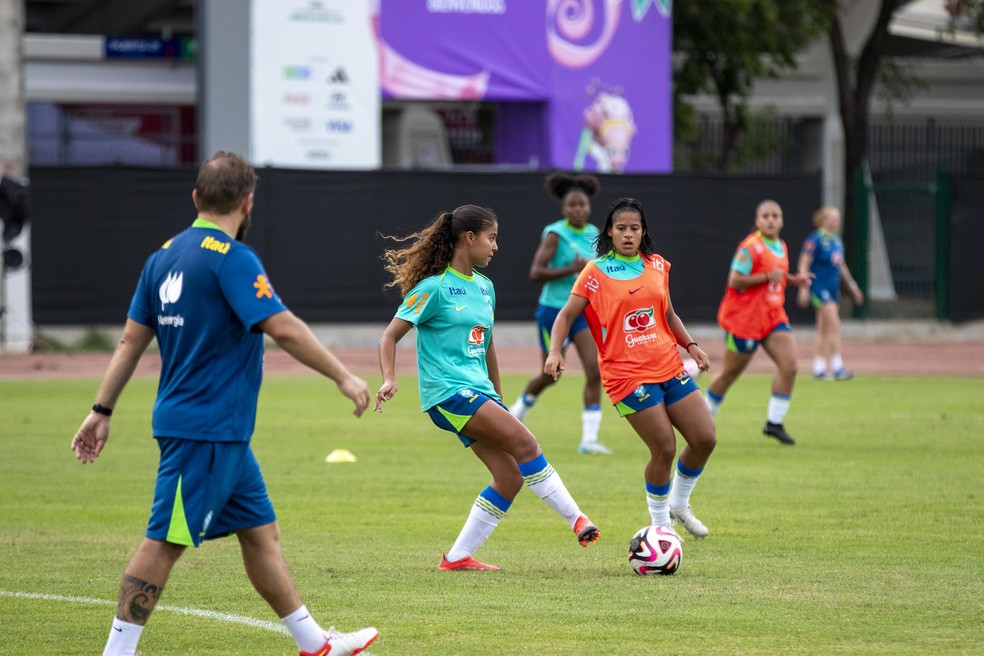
(206, 298)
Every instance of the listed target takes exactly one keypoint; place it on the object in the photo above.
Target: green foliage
(864, 538)
(897, 84)
(722, 47)
(764, 135)
(966, 12)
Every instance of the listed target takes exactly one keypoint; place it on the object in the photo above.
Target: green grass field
(867, 537)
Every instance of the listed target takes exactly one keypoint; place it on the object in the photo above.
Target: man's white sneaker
(596, 448)
(692, 525)
(345, 644)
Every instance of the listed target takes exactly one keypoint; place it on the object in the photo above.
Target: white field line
(208, 614)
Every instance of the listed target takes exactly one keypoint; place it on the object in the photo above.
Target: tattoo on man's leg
(137, 599)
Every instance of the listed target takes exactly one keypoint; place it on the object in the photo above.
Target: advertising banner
(314, 85)
(601, 67)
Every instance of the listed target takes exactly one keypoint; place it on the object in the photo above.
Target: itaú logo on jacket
(639, 321)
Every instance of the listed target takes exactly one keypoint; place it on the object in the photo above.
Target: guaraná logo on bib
(639, 320)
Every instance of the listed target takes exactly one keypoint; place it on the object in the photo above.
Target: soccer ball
(655, 550)
(691, 367)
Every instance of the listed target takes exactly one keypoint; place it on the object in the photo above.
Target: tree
(722, 47)
(857, 77)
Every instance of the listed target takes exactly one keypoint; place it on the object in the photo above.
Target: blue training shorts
(545, 317)
(820, 294)
(745, 346)
(206, 490)
(454, 412)
(648, 395)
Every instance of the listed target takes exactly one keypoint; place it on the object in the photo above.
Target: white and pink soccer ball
(691, 367)
(655, 550)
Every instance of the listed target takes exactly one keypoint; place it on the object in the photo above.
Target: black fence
(964, 283)
(319, 233)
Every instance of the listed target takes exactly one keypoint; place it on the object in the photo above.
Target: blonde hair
(822, 212)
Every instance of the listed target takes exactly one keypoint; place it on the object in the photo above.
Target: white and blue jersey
(453, 314)
(204, 293)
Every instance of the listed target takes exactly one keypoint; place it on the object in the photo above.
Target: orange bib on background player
(754, 312)
(628, 322)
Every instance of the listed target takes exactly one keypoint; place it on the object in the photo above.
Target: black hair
(559, 184)
(605, 243)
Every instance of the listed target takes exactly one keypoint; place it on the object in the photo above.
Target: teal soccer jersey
(453, 314)
(574, 242)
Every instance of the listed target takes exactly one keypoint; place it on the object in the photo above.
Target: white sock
(523, 405)
(819, 365)
(546, 483)
(683, 486)
(778, 407)
(836, 362)
(590, 423)
(713, 402)
(657, 498)
(123, 638)
(307, 633)
(482, 520)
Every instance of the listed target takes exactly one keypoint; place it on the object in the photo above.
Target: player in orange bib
(625, 296)
(752, 313)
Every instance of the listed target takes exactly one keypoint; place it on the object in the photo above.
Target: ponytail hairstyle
(430, 250)
(605, 243)
(559, 184)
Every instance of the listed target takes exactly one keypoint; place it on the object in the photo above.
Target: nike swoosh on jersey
(459, 308)
(633, 291)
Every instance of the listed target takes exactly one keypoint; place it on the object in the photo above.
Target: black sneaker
(777, 431)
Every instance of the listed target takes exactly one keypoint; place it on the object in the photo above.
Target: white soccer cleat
(345, 644)
(686, 519)
(594, 448)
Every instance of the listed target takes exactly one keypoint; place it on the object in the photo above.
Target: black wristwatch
(102, 410)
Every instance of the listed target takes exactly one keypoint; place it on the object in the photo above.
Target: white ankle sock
(546, 483)
(657, 499)
(713, 402)
(590, 423)
(123, 638)
(307, 633)
(522, 406)
(778, 407)
(483, 517)
(683, 486)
